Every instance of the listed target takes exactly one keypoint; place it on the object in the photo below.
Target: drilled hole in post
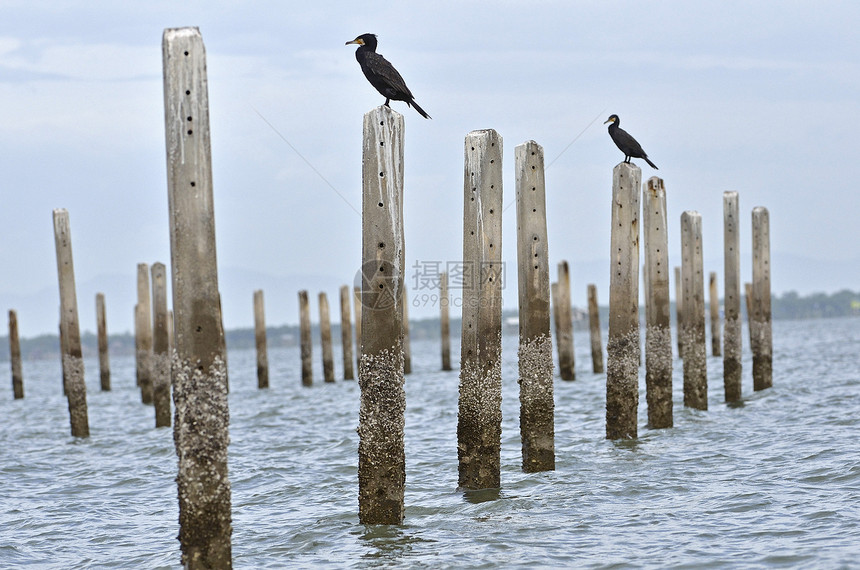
(188, 92)
(381, 245)
(190, 132)
(189, 119)
(193, 183)
(380, 204)
(186, 53)
(381, 174)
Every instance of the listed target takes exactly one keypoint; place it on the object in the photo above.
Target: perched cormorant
(382, 74)
(625, 142)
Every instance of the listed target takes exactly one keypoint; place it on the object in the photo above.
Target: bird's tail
(421, 111)
(654, 166)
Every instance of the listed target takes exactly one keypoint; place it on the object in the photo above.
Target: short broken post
(714, 305)
(622, 350)
(202, 415)
(325, 339)
(381, 453)
(693, 319)
(760, 320)
(73, 362)
(143, 334)
(732, 338)
(479, 418)
(15, 357)
(101, 327)
(537, 406)
(594, 330)
(445, 321)
(346, 334)
(260, 340)
(658, 332)
(305, 341)
(160, 354)
(564, 327)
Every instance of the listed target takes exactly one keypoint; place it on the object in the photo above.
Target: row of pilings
(196, 367)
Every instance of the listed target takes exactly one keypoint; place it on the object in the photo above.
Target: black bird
(382, 74)
(625, 142)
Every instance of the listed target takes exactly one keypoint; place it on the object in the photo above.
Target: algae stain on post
(202, 415)
(537, 407)
(381, 453)
(479, 416)
(623, 350)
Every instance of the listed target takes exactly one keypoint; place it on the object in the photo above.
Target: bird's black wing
(627, 144)
(384, 77)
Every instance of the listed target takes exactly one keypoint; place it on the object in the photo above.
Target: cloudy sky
(757, 97)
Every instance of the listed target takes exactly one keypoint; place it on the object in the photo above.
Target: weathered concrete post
(260, 340)
(658, 331)
(73, 362)
(160, 354)
(594, 330)
(732, 338)
(199, 368)
(101, 327)
(760, 322)
(622, 350)
(479, 419)
(381, 455)
(693, 319)
(325, 339)
(15, 356)
(346, 334)
(144, 334)
(445, 321)
(407, 345)
(714, 304)
(305, 342)
(537, 406)
(679, 310)
(63, 350)
(564, 329)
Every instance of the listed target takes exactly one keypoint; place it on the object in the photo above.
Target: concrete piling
(325, 339)
(714, 305)
(658, 332)
(564, 325)
(260, 340)
(537, 406)
(199, 368)
(732, 338)
(305, 341)
(623, 350)
(160, 353)
(15, 356)
(761, 333)
(445, 321)
(73, 362)
(594, 330)
(693, 319)
(381, 453)
(101, 328)
(479, 419)
(143, 334)
(346, 334)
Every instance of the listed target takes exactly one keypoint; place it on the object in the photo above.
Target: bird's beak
(358, 41)
(609, 120)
